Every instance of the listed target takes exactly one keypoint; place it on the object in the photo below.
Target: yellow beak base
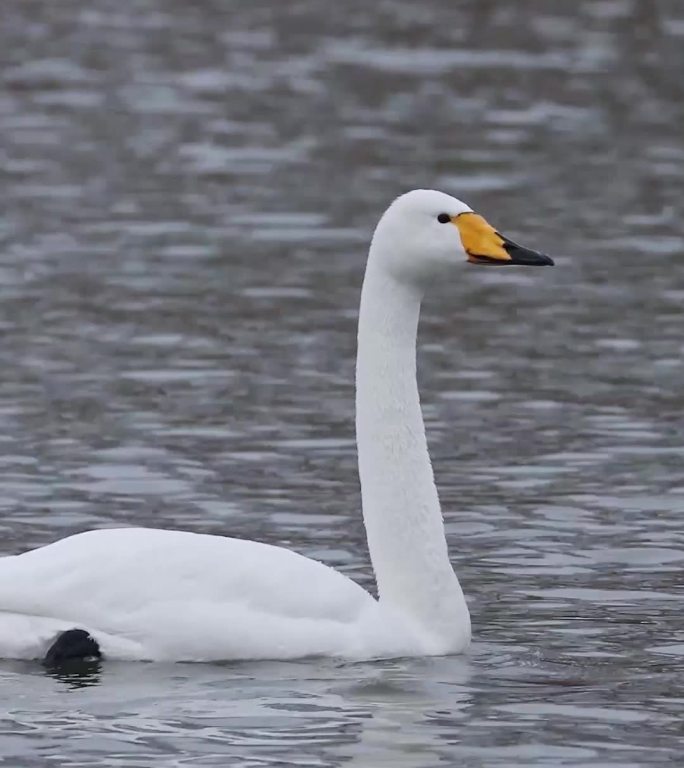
(480, 240)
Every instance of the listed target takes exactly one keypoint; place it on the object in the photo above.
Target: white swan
(171, 595)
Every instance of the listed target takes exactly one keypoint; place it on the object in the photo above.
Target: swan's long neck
(401, 508)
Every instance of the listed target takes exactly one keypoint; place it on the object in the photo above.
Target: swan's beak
(484, 245)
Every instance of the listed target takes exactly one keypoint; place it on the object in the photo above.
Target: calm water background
(187, 192)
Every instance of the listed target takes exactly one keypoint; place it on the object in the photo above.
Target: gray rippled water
(187, 192)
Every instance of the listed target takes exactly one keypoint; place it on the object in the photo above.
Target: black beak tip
(526, 256)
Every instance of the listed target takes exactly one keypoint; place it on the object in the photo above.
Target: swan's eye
(444, 218)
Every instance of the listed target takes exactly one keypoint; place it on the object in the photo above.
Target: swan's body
(155, 594)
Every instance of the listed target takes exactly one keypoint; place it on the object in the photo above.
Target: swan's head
(424, 234)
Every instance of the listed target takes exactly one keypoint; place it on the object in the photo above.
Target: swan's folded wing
(166, 589)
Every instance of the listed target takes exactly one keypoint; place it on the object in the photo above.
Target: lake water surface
(187, 191)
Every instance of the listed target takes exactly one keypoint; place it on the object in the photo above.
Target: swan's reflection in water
(403, 722)
(491, 705)
(381, 713)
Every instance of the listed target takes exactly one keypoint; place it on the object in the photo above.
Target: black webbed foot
(72, 645)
